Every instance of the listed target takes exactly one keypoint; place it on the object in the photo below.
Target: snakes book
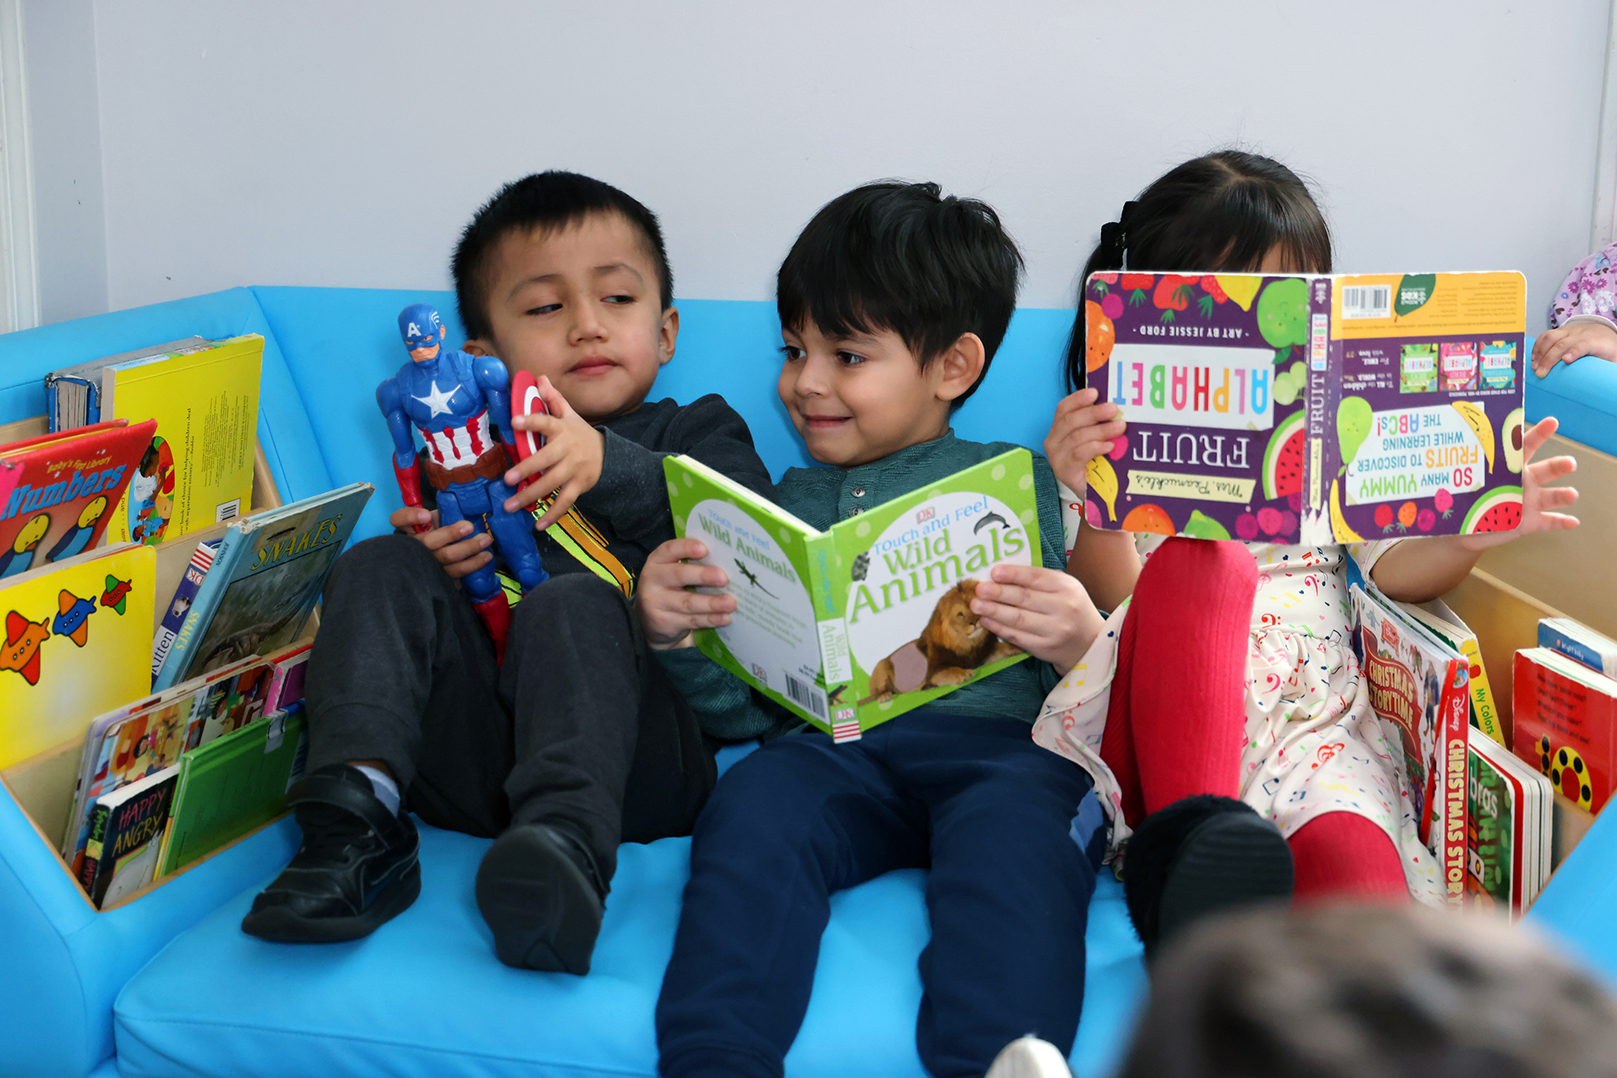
(871, 618)
(1308, 409)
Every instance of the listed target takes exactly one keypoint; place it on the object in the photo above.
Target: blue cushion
(1583, 396)
(1580, 901)
(425, 995)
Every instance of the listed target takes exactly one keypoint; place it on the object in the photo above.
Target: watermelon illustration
(1499, 510)
(1283, 460)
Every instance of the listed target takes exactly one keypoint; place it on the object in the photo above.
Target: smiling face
(580, 306)
(858, 399)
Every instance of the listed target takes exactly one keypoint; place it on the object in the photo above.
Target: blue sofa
(172, 986)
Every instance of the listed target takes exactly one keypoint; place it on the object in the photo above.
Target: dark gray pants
(580, 727)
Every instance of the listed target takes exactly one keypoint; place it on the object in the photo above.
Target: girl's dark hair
(1222, 212)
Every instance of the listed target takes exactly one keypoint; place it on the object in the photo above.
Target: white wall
(340, 143)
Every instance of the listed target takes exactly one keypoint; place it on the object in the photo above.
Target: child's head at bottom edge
(892, 304)
(1370, 991)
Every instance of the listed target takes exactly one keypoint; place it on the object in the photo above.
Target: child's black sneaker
(358, 866)
(1197, 857)
(540, 891)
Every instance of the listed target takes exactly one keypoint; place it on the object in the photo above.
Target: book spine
(1323, 392)
(1482, 702)
(826, 586)
(207, 600)
(186, 593)
(91, 864)
(1455, 705)
(1604, 660)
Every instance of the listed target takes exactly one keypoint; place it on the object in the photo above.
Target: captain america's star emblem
(437, 400)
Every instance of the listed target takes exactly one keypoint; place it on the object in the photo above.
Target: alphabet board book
(66, 486)
(854, 625)
(198, 467)
(1564, 718)
(78, 636)
(1308, 409)
(1420, 689)
(264, 582)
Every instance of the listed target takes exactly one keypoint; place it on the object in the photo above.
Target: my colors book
(855, 625)
(1308, 409)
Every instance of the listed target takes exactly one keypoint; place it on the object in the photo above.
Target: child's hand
(1082, 430)
(1044, 612)
(668, 612)
(1538, 500)
(1574, 342)
(458, 554)
(571, 457)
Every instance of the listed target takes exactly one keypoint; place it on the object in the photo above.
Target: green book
(232, 785)
(854, 625)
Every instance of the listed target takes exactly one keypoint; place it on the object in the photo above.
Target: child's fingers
(458, 569)
(1544, 472)
(678, 550)
(1083, 398)
(438, 538)
(547, 425)
(549, 456)
(413, 517)
(1534, 437)
(554, 401)
(690, 575)
(465, 549)
(566, 495)
(1557, 497)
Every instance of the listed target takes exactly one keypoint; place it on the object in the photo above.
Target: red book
(1565, 716)
(63, 490)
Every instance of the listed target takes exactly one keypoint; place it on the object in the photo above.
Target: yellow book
(78, 642)
(204, 396)
(1437, 617)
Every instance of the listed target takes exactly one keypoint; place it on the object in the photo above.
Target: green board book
(855, 625)
(232, 785)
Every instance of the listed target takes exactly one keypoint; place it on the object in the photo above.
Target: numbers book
(1577, 641)
(1308, 409)
(1420, 689)
(1508, 834)
(126, 829)
(1564, 716)
(264, 582)
(64, 489)
(857, 624)
(197, 469)
(78, 636)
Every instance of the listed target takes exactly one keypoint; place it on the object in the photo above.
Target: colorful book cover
(287, 670)
(1577, 641)
(70, 651)
(1493, 857)
(65, 488)
(198, 467)
(1449, 628)
(184, 595)
(1564, 714)
(264, 582)
(233, 785)
(1306, 409)
(1419, 688)
(855, 625)
(126, 829)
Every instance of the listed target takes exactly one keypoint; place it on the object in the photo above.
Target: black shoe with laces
(356, 869)
(540, 891)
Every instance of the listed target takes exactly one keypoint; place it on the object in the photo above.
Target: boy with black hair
(892, 304)
(577, 741)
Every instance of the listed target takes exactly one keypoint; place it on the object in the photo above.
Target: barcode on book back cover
(1367, 301)
(805, 696)
(227, 510)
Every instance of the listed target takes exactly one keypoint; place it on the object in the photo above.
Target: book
(231, 786)
(1448, 627)
(126, 828)
(871, 618)
(64, 488)
(1564, 714)
(77, 643)
(1508, 834)
(1308, 408)
(197, 469)
(184, 596)
(264, 582)
(1419, 689)
(287, 670)
(1577, 641)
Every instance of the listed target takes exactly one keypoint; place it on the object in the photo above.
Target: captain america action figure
(455, 399)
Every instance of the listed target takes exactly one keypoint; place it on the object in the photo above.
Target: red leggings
(1176, 727)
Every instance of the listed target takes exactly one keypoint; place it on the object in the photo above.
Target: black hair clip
(1114, 239)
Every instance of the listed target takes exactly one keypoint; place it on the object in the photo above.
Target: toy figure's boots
(496, 614)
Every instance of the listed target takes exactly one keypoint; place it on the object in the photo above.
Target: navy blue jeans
(974, 800)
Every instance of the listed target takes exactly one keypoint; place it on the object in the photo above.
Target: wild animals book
(1565, 724)
(77, 643)
(197, 469)
(264, 582)
(1308, 409)
(854, 625)
(1419, 688)
(65, 487)
(126, 829)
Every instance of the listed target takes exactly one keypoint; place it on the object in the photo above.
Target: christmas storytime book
(1308, 409)
(197, 469)
(66, 486)
(1420, 689)
(78, 637)
(854, 625)
(264, 582)
(1565, 724)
